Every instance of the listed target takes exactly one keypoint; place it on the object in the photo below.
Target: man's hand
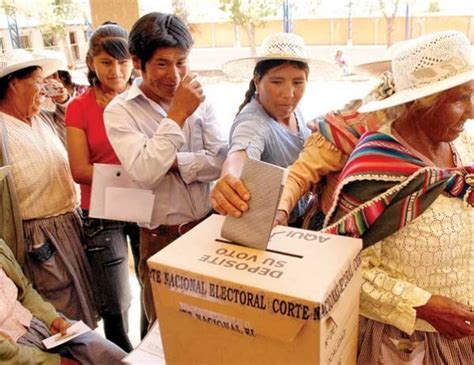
(189, 95)
(59, 325)
(281, 218)
(451, 319)
(230, 196)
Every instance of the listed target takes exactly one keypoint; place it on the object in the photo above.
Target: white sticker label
(218, 319)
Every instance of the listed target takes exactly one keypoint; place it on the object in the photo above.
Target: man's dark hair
(158, 30)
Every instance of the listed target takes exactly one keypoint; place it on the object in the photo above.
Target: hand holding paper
(60, 325)
(265, 184)
(73, 331)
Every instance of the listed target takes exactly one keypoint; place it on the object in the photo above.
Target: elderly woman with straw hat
(333, 139)
(408, 192)
(268, 126)
(38, 210)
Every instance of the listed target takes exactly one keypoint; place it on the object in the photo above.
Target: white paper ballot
(128, 204)
(265, 183)
(116, 195)
(75, 330)
(149, 351)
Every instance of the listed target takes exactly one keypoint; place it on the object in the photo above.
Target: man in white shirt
(165, 135)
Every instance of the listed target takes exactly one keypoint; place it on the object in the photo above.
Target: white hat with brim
(18, 59)
(52, 54)
(426, 66)
(380, 65)
(279, 46)
(374, 69)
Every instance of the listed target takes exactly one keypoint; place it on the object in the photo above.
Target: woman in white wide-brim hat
(268, 126)
(407, 191)
(39, 206)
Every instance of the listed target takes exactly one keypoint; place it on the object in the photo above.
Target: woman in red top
(110, 69)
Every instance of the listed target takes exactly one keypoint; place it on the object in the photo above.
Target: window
(49, 40)
(74, 45)
(25, 41)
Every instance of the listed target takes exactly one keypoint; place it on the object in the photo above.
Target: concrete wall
(124, 12)
(365, 31)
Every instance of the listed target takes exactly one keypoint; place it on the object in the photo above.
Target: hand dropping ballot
(75, 330)
(265, 183)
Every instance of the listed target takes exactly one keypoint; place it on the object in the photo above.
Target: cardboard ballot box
(220, 303)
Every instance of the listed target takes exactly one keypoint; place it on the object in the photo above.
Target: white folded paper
(149, 351)
(75, 330)
(128, 204)
(115, 195)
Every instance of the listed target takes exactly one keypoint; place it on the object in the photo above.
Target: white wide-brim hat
(278, 46)
(426, 66)
(52, 54)
(379, 65)
(374, 68)
(18, 59)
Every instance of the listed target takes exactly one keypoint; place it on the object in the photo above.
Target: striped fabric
(344, 128)
(384, 186)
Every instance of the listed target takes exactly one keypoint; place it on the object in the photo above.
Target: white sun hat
(17, 59)
(427, 65)
(379, 65)
(52, 54)
(77, 76)
(277, 46)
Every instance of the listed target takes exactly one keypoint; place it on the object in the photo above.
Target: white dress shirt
(147, 143)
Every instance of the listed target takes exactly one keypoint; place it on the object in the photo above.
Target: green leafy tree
(249, 14)
(53, 16)
(303, 8)
(179, 8)
(433, 6)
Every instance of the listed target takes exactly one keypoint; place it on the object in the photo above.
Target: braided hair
(261, 68)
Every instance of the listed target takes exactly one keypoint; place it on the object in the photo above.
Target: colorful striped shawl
(384, 186)
(344, 128)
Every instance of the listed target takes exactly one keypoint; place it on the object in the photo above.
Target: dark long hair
(111, 38)
(261, 68)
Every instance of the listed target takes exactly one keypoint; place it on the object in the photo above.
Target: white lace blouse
(434, 254)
